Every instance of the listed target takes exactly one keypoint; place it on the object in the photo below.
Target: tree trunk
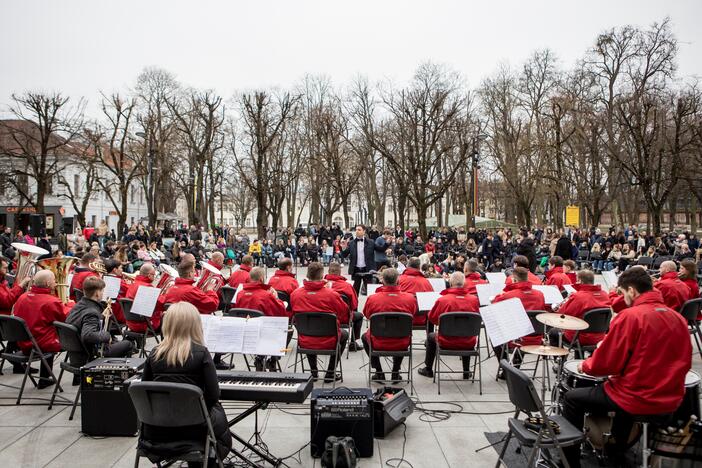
(422, 220)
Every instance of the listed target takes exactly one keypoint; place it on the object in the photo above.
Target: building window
(76, 185)
(23, 183)
(131, 194)
(94, 218)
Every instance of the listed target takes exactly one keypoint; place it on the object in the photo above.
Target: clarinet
(107, 313)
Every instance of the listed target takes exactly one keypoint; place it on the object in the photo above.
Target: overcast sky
(82, 47)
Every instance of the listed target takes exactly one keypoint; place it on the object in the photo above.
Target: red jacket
(572, 277)
(413, 281)
(8, 297)
(116, 307)
(140, 327)
(694, 292)
(674, 291)
(339, 284)
(532, 278)
(557, 278)
(283, 281)
(532, 299)
(314, 296)
(261, 297)
(587, 297)
(646, 355)
(454, 300)
(472, 280)
(39, 308)
(184, 290)
(240, 276)
(79, 275)
(390, 299)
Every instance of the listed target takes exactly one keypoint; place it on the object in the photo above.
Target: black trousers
(118, 349)
(431, 354)
(375, 360)
(357, 324)
(595, 401)
(357, 279)
(312, 358)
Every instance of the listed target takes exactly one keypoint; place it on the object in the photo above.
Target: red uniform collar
(455, 292)
(334, 278)
(556, 270)
(283, 273)
(184, 281)
(256, 285)
(314, 285)
(522, 285)
(412, 272)
(671, 275)
(587, 287)
(38, 290)
(650, 297)
(142, 279)
(210, 262)
(245, 267)
(474, 276)
(388, 289)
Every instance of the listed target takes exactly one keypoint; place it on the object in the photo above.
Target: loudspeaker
(391, 406)
(343, 412)
(37, 225)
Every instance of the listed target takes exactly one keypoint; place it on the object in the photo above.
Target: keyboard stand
(265, 456)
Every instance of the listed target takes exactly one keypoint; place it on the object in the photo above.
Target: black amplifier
(391, 406)
(342, 412)
(106, 409)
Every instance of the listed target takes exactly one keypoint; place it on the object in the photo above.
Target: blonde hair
(181, 328)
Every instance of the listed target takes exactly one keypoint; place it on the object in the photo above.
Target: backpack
(339, 452)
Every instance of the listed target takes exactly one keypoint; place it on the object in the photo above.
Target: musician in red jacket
(413, 281)
(40, 308)
(340, 285)
(241, 275)
(569, 269)
(532, 299)
(522, 261)
(646, 355)
(114, 269)
(674, 291)
(555, 275)
(283, 279)
(81, 272)
(8, 296)
(257, 295)
(184, 290)
(688, 275)
(315, 296)
(454, 299)
(588, 296)
(217, 261)
(146, 276)
(388, 298)
(472, 277)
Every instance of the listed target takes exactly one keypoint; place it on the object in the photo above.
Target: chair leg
(534, 449)
(438, 367)
(136, 460)
(295, 367)
(480, 371)
(75, 404)
(24, 379)
(698, 334)
(58, 382)
(504, 449)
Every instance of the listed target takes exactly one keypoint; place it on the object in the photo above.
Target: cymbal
(543, 350)
(563, 322)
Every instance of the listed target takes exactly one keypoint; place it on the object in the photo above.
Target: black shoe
(272, 365)
(378, 376)
(466, 375)
(353, 347)
(258, 364)
(221, 365)
(396, 377)
(315, 373)
(501, 375)
(22, 369)
(330, 377)
(43, 383)
(425, 371)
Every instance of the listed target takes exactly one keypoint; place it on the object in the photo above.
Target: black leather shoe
(425, 371)
(221, 365)
(396, 377)
(43, 383)
(378, 376)
(21, 369)
(353, 347)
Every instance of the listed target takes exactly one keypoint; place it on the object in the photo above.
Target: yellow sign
(572, 215)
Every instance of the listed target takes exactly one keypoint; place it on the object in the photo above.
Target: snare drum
(691, 401)
(571, 378)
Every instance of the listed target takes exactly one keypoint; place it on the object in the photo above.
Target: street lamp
(474, 160)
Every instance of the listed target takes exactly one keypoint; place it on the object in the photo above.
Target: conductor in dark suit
(361, 250)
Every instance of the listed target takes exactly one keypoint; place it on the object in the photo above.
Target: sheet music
(610, 278)
(145, 301)
(569, 289)
(252, 332)
(487, 291)
(426, 300)
(272, 337)
(112, 286)
(370, 288)
(438, 284)
(236, 293)
(69, 280)
(496, 278)
(506, 321)
(552, 295)
(225, 334)
(400, 267)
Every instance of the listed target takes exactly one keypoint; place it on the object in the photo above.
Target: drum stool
(645, 420)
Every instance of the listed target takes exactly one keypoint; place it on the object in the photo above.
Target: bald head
(45, 279)
(257, 275)
(188, 258)
(218, 259)
(668, 266)
(146, 269)
(457, 279)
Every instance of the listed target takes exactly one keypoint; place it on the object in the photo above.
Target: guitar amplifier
(342, 412)
(106, 409)
(391, 406)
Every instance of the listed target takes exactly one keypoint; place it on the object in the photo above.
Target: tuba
(129, 278)
(26, 260)
(61, 267)
(98, 267)
(211, 278)
(167, 279)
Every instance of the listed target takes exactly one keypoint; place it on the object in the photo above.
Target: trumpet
(61, 267)
(107, 313)
(26, 260)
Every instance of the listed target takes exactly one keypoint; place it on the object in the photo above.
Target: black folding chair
(15, 329)
(285, 297)
(319, 325)
(391, 325)
(172, 405)
(227, 296)
(459, 325)
(598, 322)
(349, 324)
(645, 261)
(526, 400)
(690, 311)
(539, 331)
(69, 337)
(78, 293)
(139, 337)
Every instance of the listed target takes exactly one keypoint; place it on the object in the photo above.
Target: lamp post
(474, 160)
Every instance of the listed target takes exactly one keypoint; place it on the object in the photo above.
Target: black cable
(400, 460)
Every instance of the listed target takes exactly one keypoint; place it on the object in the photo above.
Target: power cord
(401, 460)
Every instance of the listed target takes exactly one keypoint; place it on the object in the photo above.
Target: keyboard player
(181, 357)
